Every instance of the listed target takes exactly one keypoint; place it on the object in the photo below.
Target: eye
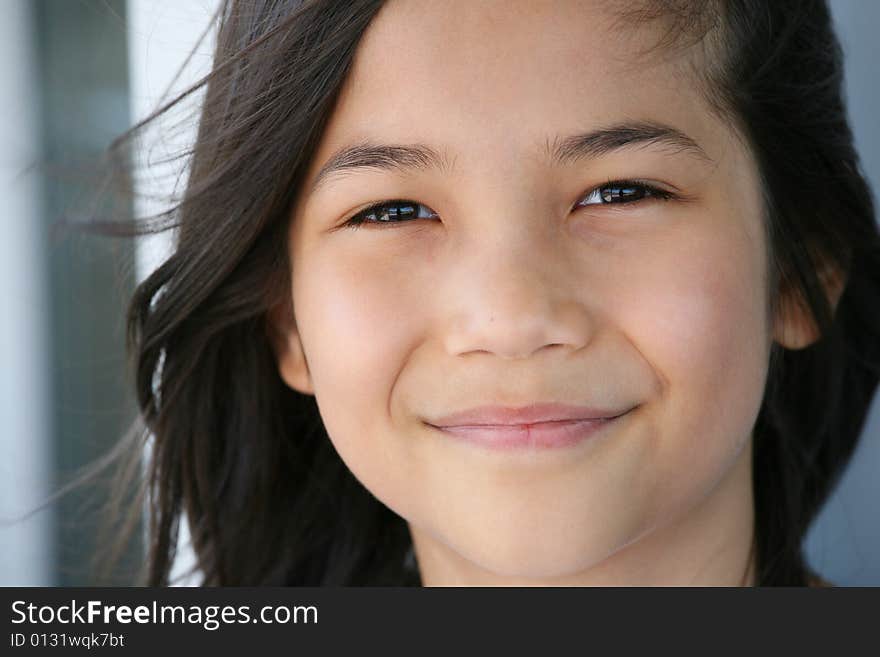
(619, 192)
(391, 212)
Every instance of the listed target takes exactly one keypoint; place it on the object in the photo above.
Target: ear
(287, 346)
(794, 327)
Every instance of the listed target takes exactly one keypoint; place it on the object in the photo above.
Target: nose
(515, 295)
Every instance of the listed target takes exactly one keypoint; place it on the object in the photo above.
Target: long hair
(784, 86)
(247, 461)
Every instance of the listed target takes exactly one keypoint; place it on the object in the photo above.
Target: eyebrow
(559, 151)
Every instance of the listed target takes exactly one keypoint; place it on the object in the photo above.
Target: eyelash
(646, 191)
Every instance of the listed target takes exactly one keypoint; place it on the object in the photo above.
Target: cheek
(358, 318)
(696, 311)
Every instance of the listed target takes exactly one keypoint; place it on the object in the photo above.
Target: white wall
(161, 35)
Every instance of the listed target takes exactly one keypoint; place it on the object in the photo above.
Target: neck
(710, 544)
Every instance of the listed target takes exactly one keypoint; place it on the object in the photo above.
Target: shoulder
(816, 581)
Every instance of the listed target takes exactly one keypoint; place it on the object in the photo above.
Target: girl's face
(516, 274)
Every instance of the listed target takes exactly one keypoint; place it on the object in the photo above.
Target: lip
(542, 426)
(517, 416)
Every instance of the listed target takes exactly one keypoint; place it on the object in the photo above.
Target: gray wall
(64, 390)
(25, 430)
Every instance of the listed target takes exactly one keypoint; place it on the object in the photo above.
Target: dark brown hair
(246, 460)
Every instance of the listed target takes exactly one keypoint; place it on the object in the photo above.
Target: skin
(510, 294)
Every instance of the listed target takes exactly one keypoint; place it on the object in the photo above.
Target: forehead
(506, 77)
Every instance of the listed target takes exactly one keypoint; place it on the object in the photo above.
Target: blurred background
(74, 74)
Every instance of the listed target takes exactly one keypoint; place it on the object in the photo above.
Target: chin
(525, 557)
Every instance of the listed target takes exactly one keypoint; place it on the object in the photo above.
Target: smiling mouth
(552, 434)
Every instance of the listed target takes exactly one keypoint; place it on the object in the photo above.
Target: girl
(533, 293)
